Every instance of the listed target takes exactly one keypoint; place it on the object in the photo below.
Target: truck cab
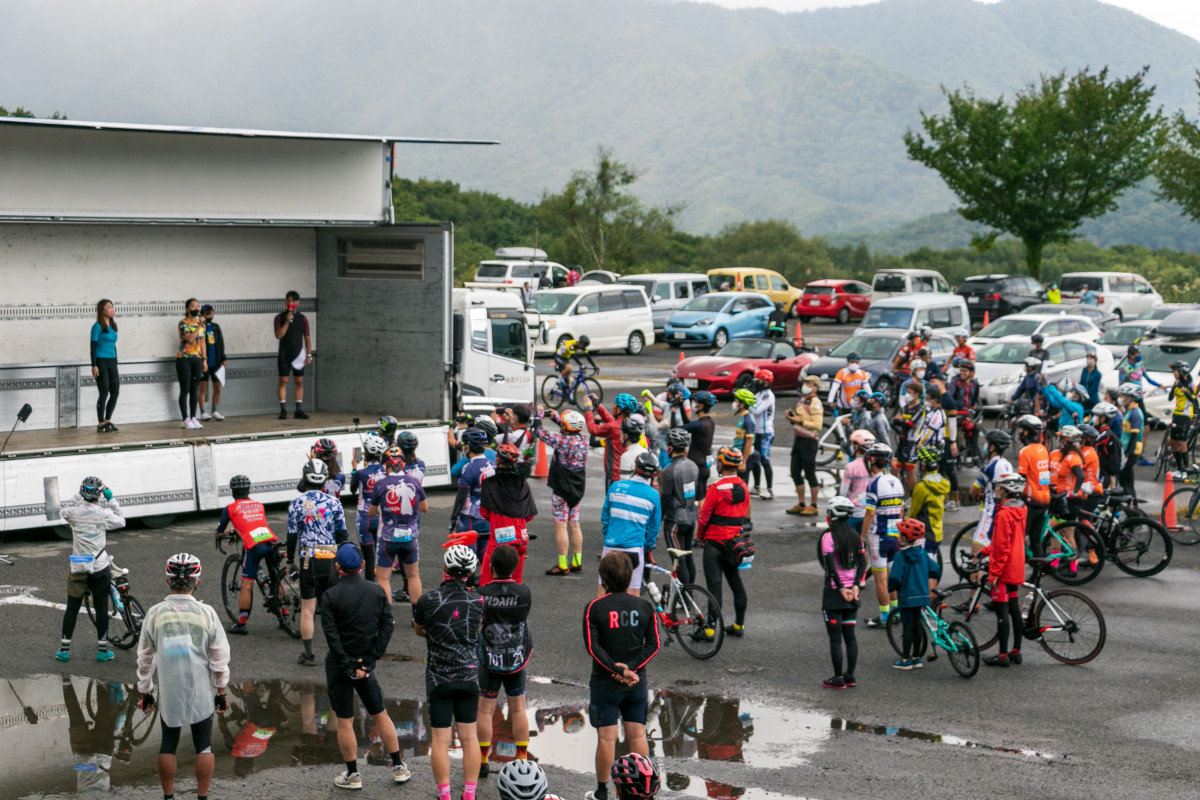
(493, 350)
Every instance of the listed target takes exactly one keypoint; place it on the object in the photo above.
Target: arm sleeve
(1077, 471)
(650, 642)
(354, 482)
(333, 639)
(220, 346)
(860, 566)
(460, 500)
(591, 638)
(92, 349)
(224, 523)
(383, 634)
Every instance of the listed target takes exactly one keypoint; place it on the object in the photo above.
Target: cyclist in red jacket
(1006, 565)
(725, 510)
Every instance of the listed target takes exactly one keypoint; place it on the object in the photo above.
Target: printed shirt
(416, 471)
(506, 643)
(249, 519)
(854, 485)
(210, 341)
(1131, 426)
(744, 428)
(183, 644)
(850, 381)
(1034, 464)
(451, 615)
(364, 480)
(315, 518)
(477, 470)
(885, 495)
(190, 349)
(987, 482)
(1091, 471)
(1185, 399)
(764, 412)
(570, 349)
(962, 351)
(571, 449)
(397, 497)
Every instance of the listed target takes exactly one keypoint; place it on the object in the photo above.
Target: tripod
(22, 415)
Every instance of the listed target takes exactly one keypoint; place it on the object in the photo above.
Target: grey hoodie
(679, 486)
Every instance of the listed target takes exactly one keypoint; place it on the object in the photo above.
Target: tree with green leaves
(1178, 169)
(1059, 153)
(27, 114)
(604, 224)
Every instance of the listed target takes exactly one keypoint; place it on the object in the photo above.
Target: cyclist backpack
(740, 549)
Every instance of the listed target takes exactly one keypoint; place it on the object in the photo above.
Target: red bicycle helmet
(764, 375)
(911, 530)
(635, 776)
(507, 454)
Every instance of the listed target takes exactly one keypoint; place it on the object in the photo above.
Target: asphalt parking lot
(753, 722)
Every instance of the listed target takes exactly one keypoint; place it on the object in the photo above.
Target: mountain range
(739, 114)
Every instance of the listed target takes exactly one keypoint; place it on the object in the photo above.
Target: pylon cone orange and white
(1169, 520)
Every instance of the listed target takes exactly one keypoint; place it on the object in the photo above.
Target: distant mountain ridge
(742, 114)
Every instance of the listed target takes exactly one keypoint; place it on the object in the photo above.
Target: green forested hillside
(740, 114)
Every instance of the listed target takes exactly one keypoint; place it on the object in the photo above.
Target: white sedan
(1048, 325)
(999, 366)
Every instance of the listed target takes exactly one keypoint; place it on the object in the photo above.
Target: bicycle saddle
(942, 594)
(678, 553)
(1043, 561)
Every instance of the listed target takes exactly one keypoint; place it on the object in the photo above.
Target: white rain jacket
(90, 524)
(183, 638)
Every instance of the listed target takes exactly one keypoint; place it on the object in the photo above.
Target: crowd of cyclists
(1074, 444)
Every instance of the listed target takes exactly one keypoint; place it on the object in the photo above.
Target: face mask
(806, 389)
(1121, 401)
(856, 403)
(195, 312)
(919, 374)
(292, 306)
(913, 399)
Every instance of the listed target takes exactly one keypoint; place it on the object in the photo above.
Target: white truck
(148, 216)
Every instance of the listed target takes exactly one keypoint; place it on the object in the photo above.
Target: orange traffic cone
(985, 321)
(1168, 514)
(798, 339)
(542, 468)
(681, 354)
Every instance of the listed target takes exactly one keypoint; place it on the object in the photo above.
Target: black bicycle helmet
(1133, 348)
(387, 426)
(880, 454)
(487, 425)
(635, 776)
(239, 483)
(407, 440)
(475, 439)
(704, 399)
(646, 465)
(1090, 434)
(325, 448)
(1000, 439)
(679, 439)
(584, 341)
(1037, 338)
(91, 488)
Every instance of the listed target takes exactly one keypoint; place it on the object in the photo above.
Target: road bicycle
(1186, 499)
(956, 638)
(125, 613)
(1163, 459)
(687, 610)
(834, 442)
(135, 725)
(286, 607)
(1065, 622)
(1054, 540)
(576, 389)
(1119, 532)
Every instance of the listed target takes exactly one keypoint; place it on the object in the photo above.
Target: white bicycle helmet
(840, 508)
(917, 364)
(961, 333)
(1070, 433)
(459, 561)
(375, 444)
(1130, 390)
(572, 421)
(1011, 482)
(315, 472)
(1033, 363)
(522, 780)
(183, 567)
(1105, 410)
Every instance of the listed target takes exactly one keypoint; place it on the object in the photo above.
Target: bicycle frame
(937, 628)
(675, 589)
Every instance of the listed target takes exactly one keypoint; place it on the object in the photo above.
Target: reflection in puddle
(62, 734)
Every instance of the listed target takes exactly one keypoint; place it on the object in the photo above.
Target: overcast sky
(1182, 15)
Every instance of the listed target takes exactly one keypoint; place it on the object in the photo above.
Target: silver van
(915, 311)
(897, 282)
(668, 292)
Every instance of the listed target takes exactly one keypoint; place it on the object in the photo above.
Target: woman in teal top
(104, 365)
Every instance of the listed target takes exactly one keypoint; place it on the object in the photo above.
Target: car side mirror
(654, 299)
(779, 357)
(735, 311)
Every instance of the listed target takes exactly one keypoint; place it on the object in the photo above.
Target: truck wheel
(158, 520)
(720, 338)
(637, 343)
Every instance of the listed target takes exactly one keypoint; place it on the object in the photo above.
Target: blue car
(715, 318)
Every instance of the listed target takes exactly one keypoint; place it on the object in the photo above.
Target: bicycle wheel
(1070, 626)
(552, 393)
(1140, 547)
(830, 446)
(290, 597)
(697, 611)
(895, 632)
(1160, 460)
(584, 388)
(125, 625)
(1089, 550)
(961, 543)
(87, 604)
(983, 622)
(1186, 530)
(231, 586)
(964, 657)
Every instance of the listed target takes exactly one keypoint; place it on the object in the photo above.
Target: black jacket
(619, 628)
(357, 620)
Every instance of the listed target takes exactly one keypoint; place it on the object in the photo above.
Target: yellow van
(753, 279)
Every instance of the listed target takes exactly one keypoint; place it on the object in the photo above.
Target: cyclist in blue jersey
(883, 508)
(631, 518)
(316, 526)
(983, 489)
(465, 516)
(362, 481)
(398, 500)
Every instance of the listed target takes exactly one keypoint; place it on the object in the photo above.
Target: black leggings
(1006, 612)
(680, 537)
(1125, 478)
(760, 462)
(804, 461)
(108, 381)
(189, 370)
(715, 566)
(1035, 518)
(98, 586)
(840, 625)
(912, 643)
(201, 737)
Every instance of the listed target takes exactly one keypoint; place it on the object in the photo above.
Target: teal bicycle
(956, 638)
(1054, 541)
(556, 392)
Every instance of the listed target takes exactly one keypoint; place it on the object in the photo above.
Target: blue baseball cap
(349, 558)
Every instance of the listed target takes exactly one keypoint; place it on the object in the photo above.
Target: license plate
(972, 299)
(678, 335)
(691, 383)
(814, 302)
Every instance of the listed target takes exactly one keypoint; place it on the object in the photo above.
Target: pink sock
(443, 791)
(469, 791)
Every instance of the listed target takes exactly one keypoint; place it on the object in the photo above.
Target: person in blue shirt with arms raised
(631, 517)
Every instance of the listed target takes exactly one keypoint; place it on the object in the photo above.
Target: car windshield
(550, 303)
(746, 348)
(707, 303)
(879, 317)
(1010, 327)
(1012, 352)
(721, 282)
(1158, 357)
(1123, 334)
(818, 290)
(888, 282)
(1069, 284)
(871, 348)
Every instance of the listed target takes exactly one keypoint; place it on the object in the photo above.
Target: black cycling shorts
(605, 707)
(490, 683)
(342, 689)
(560, 363)
(455, 701)
(317, 575)
(286, 368)
(201, 737)
(1180, 427)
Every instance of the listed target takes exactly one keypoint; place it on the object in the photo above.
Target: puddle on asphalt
(62, 734)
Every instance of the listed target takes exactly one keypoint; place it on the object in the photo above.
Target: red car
(732, 367)
(838, 299)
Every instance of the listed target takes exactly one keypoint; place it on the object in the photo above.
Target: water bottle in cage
(654, 592)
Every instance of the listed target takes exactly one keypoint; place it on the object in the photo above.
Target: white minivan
(913, 312)
(612, 316)
(1122, 293)
(668, 292)
(895, 282)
